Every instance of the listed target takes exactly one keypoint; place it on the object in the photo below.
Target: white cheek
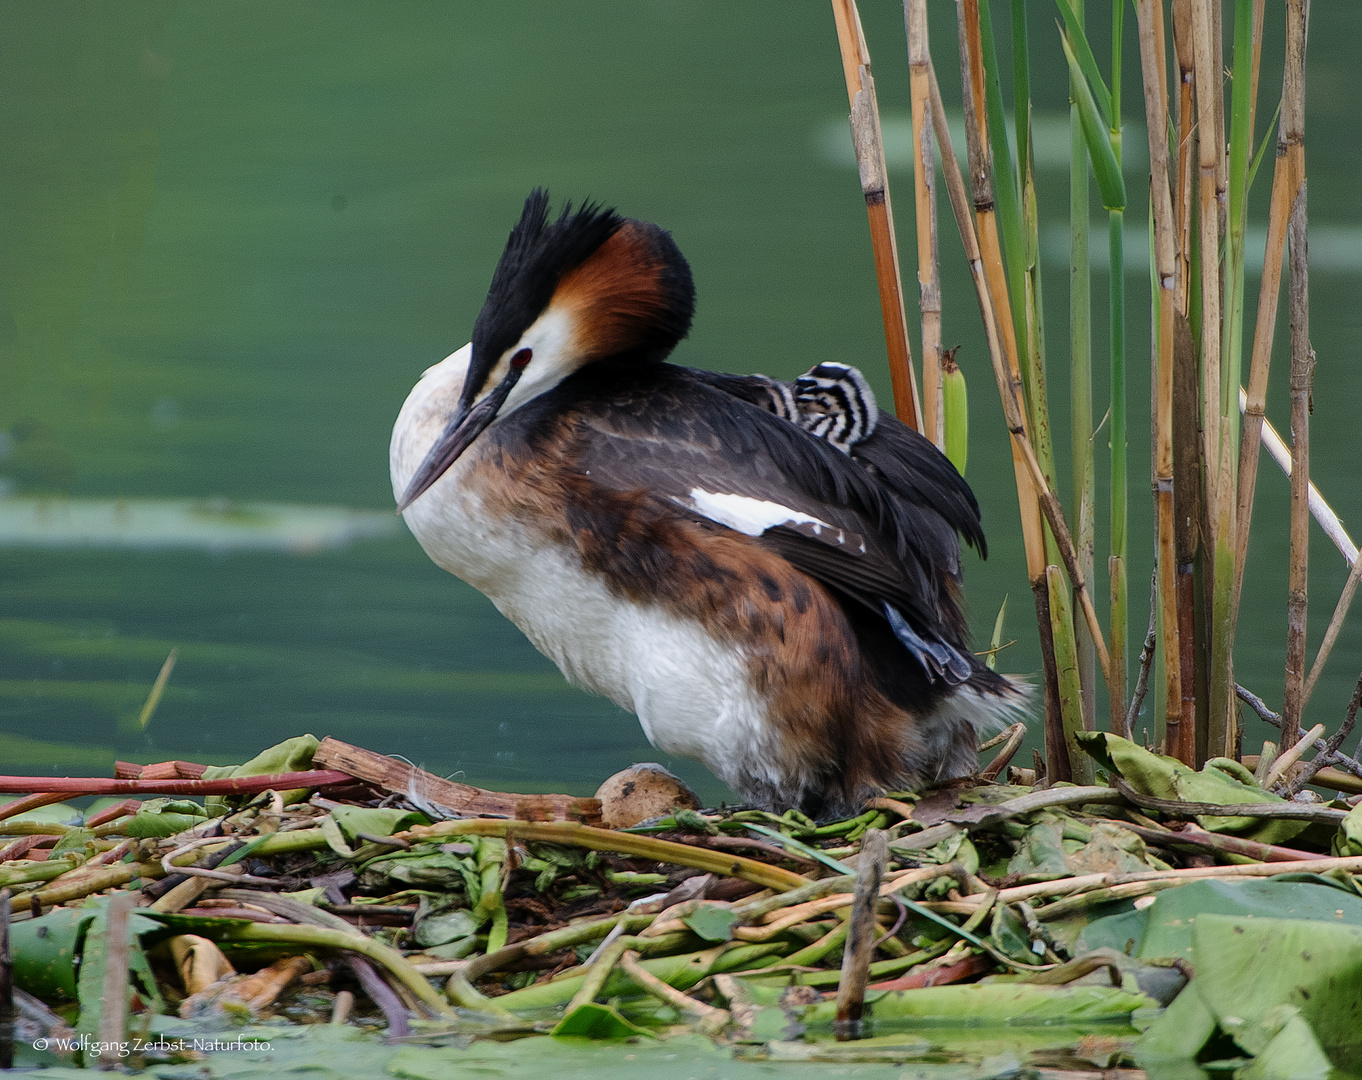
(550, 341)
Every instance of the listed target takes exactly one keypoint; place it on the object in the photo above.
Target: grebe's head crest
(588, 286)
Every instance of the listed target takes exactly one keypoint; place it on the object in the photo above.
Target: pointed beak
(467, 424)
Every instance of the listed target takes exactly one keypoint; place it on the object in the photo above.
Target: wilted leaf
(335, 839)
(1167, 778)
(376, 821)
(1009, 934)
(592, 1021)
(713, 922)
(425, 866)
(73, 840)
(291, 755)
(442, 928)
(1348, 840)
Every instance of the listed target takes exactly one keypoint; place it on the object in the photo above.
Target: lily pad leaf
(1164, 928)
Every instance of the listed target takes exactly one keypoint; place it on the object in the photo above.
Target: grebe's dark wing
(719, 458)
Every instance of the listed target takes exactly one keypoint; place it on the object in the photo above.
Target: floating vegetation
(165, 524)
(322, 893)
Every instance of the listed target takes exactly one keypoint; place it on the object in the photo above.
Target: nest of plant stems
(287, 890)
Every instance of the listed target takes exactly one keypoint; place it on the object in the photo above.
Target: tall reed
(1203, 466)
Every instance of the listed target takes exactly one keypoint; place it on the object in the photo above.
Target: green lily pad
(1268, 984)
(1293, 1053)
(93, 954)
(1164, 928)
(46, 951)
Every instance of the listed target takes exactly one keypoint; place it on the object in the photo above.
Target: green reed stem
(1116, 293)
(1080, 380)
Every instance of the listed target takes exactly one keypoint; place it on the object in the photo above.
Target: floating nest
(324, 885)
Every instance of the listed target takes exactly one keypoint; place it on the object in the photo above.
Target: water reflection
(214, 525)
(232, 236)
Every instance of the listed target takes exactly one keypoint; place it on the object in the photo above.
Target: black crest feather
(537, 255)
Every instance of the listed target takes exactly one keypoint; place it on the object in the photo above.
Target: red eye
(521, 359)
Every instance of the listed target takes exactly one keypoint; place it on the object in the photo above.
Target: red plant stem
(22, 806)
(939, 976)
(113, 813)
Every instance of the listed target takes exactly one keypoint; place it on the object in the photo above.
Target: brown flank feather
(838, 732)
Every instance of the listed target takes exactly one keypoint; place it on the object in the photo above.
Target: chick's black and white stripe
(835, 402)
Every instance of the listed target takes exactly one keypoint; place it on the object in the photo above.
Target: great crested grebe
(766, 573)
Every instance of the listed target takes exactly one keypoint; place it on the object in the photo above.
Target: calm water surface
(233, 235)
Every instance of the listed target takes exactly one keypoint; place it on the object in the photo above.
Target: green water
(233, 235)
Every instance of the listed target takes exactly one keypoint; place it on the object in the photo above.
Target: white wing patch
(751, 516)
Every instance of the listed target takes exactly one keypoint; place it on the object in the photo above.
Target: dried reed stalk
(1302, 371)
(1182, 48)
(865, 127)
(113, 1017)
(861, 936)
(1149, 16)
(988, 257)
(924, 189)
(1283, 195)
(1188, 450)
(1209, 153)
(1326, 646)
(1288, 182)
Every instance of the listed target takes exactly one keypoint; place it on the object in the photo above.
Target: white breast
(692, 693)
